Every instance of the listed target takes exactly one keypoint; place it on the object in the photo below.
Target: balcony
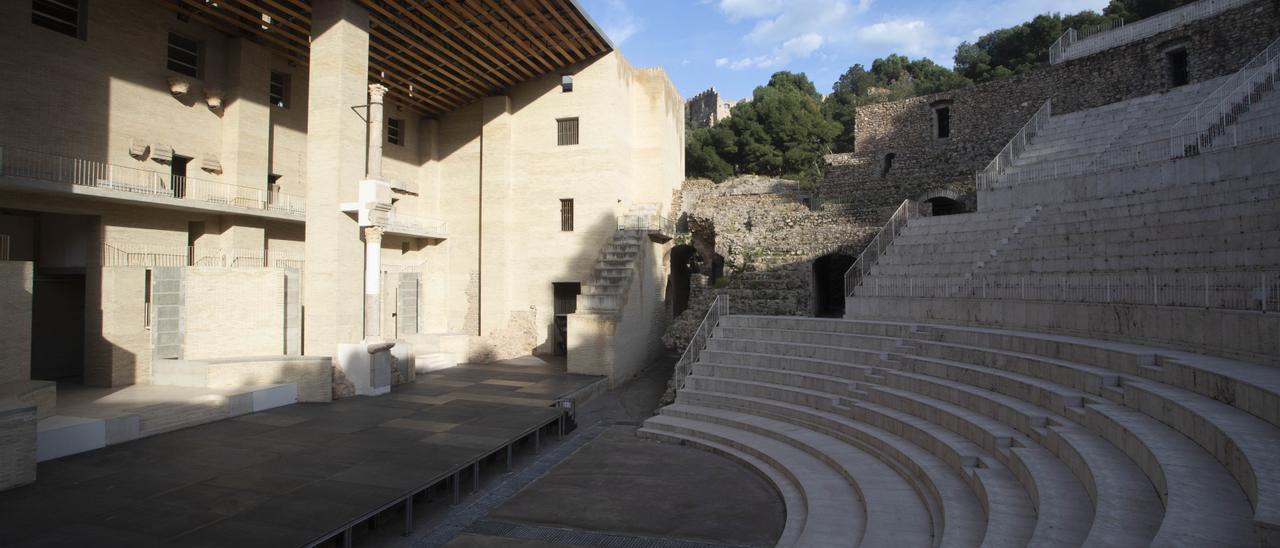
(416, 227)
(164, 256)
(29, 170)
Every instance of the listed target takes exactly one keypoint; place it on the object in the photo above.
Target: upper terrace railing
(1214, 289)
(142, 183)
(1014, 148)
(651, 223)
(166, 256)
(867, 259)
(1074, 44)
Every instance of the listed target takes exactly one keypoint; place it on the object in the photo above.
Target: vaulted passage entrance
(944, 206)
(828, 285)
(685, 261)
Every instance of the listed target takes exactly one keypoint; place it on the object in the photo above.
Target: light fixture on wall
(179, 86)
(213, 96)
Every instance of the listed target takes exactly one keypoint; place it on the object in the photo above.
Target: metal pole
(408, 515)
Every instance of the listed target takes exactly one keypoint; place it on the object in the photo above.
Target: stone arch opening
(684, 262)
(941, 205)
(828, 284)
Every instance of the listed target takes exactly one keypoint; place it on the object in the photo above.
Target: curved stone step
(1010, 515)
(959, 518)
(894, 514)
(834, 514)
(792, 498)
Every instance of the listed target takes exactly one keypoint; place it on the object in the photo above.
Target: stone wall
(707, 109)
(768, 238)
(15, 322)
(986, 116)
(233, 312)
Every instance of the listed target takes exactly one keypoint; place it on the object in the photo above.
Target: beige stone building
(188, 187)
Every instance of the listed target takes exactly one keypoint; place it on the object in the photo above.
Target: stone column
(339, 77)
(372, 291)
(495, 212)
(376, 93)
(246, 115)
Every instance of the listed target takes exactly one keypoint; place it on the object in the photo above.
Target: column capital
(373, 233)
(377, 92)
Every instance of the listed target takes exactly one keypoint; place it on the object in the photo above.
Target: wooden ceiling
(434, 55)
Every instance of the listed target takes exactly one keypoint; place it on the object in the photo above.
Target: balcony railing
(142, 183)
(164, 256)
(647, 223)
(417, 226)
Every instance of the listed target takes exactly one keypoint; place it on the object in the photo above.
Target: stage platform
(295, 475)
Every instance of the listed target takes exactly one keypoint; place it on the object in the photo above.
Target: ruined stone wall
(707, 109)
(986, 116)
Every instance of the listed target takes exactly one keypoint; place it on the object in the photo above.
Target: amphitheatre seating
(995, 437)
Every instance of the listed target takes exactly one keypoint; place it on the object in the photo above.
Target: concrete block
(60, 435)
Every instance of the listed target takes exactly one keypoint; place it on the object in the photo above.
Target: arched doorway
(685, 261)
(828, 285)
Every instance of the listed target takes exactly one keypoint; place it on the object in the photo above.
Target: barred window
(566, 131)
(280, 89)
(566, 83)
(184, 55)
(395, 131)
(64, 16)
(566, 215)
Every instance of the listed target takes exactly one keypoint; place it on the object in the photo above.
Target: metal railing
(698, 342)
(169, 256)
(4, 247)
(1074, 44)
(867, 259)
(1217, 112)
(1015, 147)
(647, 223)
(396, 220)
(1220, 121)
(132, 181)
(1214, 289)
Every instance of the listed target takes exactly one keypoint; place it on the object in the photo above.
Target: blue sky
(735, 45)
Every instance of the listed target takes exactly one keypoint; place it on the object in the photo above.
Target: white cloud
(796, 48)
(909, 37)
(749, 9)
(619, 23)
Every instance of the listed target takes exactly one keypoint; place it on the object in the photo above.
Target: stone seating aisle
(1004, 437)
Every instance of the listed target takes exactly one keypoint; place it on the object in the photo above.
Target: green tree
(1133, 10)
(781, 131)
(1020, 48)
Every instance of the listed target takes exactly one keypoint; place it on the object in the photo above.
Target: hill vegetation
(786, 126)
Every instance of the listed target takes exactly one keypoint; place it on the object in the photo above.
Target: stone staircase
(606, 288)
(881, 433)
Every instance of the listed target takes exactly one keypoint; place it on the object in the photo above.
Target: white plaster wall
(233, 312)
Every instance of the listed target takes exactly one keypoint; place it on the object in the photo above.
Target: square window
(184, 55)
(395, 131)
(942, 122)
(280, 89)
(63, 16)
(566, 215)
(566, 131)
(566, 83)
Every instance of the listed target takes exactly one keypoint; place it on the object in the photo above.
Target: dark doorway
(178, 175)
(566, 302)
(828, 285)
(1179, 69)
(57, 325)
(944, 206)
(887, 164)
(685, 261)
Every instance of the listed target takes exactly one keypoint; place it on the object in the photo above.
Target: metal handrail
(698, 342)
(1211, 289)
(650, 223)
(1079, 43)
(43, 166)
(1015, 147)
(871, 254)
(1224, 104)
